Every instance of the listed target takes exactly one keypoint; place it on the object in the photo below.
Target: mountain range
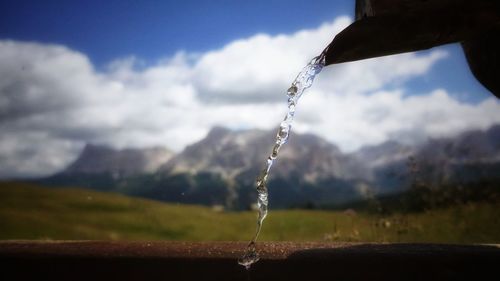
(310, 171)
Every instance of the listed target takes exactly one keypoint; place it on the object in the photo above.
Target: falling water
(303, 81)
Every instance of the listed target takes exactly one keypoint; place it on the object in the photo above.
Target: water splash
(303, 81)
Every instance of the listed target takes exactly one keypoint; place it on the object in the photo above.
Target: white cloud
(27, 153)
(53, 101)
(357, 119)
(260, 67)
(373, 74)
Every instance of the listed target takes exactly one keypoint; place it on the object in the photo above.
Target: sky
(162, 73)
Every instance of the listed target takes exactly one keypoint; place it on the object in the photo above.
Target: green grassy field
(33, 212)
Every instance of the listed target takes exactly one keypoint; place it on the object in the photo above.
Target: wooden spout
(387, 27)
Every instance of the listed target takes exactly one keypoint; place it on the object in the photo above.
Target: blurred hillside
(32, 212)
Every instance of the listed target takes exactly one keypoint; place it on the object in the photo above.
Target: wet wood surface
(101, 260)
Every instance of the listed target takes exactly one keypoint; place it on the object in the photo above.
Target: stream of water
(303, 81)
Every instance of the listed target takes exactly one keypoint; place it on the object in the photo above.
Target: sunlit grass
(33, 212)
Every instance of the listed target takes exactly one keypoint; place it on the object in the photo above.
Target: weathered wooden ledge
(96, 260)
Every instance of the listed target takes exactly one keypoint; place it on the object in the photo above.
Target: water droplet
(292, 91)
(283, 131)
(275, 152)
(261, 187)
(250, 257)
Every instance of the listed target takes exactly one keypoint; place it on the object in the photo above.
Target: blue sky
(105, 30)
(162, 73)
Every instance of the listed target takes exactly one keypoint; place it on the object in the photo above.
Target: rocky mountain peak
(236, 153)
(97, 159)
